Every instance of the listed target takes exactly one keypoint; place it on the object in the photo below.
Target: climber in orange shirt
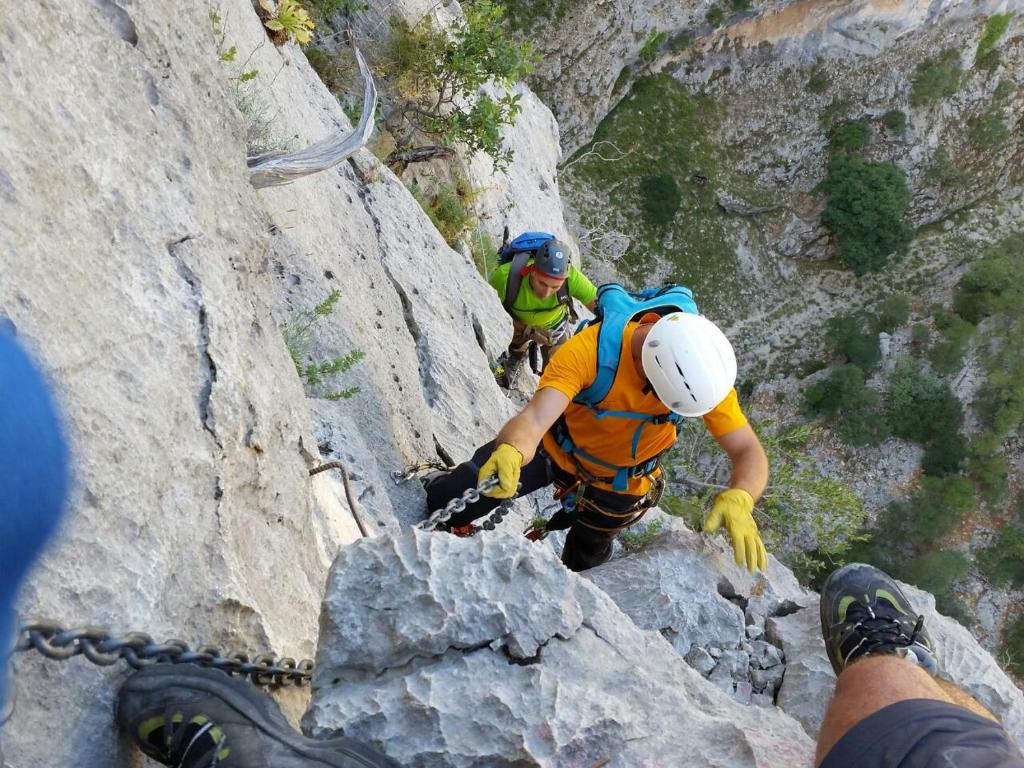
(604, 456)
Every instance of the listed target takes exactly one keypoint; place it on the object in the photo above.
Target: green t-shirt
(542, 313)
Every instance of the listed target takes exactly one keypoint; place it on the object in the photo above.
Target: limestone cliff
(153, 283)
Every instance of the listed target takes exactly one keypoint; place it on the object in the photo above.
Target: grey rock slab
(764, 655)
(672, 584)
(700, 660)
(809, 680)
(743, 692)
(487, 652)
(754, 632)
(767, 680)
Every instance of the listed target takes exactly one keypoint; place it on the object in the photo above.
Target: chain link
(458, 504)
(140, 650)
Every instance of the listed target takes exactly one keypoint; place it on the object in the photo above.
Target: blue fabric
(528, 241)
(33, 476)
(615, 307)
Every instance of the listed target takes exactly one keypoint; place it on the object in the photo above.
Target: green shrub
(680, 41)
(1003, 562)
(834, 112)
(449, 208)
(715, 16)
(850, 337)
(936, 78)
(988, 132)
(848, 405)
(994, 288)
(995, 26)
(866, 203)
(434, 76)
(937, 508)
(891, 312)
(804, 508)
(921, 407)
(660, 198)
(895, 120)
(287, 20)
(945, 455)
(485, 253)
(850, 137)
(936, 572)
(621, 80)
(1013, 645)
(947, 355)
(819, 81)
(298, 337)
(639, 536)
(739, 5)
(1004, 90)
(987, 467)
(943, 170)
(649, 50)
(332, 67)
(919, 335)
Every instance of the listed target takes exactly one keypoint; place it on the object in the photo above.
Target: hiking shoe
(190, 717)
(864, 613)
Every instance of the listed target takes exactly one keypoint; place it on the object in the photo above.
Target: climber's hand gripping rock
(734, 509)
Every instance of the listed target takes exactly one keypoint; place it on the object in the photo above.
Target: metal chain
(140, 650)
(458, 504)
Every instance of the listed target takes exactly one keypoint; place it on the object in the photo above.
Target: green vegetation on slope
(866, 203)
(661, 193)
(995, 26)
(936, 79)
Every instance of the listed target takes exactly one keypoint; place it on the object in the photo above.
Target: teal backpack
(615, 307)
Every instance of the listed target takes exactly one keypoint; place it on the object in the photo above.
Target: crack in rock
(209, 367)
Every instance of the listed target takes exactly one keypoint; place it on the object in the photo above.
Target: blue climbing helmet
(552, 259)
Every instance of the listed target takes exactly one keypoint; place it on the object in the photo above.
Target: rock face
(152, 284)
(488, 652)
(525, 196)
(809, 680)
(591, 56)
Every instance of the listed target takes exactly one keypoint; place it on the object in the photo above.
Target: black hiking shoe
(864, 613)
(190, 717)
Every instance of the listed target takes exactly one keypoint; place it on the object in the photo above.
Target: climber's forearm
(525, 430)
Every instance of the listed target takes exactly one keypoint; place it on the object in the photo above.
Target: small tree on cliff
(435, 76)
(866, 203)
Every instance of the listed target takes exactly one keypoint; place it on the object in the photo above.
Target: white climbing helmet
(689, 362)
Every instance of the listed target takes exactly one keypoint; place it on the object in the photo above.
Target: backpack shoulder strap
(566, 300)
(616, 307)
(611, 300)
(515, 279)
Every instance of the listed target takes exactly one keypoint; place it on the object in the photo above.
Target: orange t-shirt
(573, 368)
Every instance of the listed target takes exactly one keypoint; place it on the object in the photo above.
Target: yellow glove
(505, 462)
(735, 508)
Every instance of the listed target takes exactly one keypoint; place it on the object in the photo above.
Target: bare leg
(875, 682)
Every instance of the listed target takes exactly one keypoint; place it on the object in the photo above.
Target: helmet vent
(685, 382)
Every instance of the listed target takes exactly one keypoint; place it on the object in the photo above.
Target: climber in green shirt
(541, 304)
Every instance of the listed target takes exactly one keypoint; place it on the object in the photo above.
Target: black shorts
(921, 733)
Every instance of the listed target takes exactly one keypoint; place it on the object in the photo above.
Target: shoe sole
(337, 753)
